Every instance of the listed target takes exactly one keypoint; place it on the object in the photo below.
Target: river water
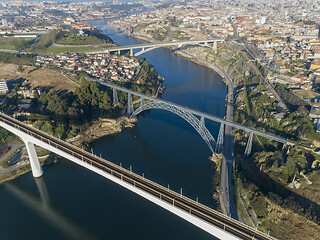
(70, 202)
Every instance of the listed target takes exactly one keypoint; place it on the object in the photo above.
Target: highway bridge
(194, 117)
(202, 216)
(145, 47)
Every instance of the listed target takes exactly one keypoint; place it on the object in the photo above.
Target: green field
(71, 49)
(70, 39)
(13, 43)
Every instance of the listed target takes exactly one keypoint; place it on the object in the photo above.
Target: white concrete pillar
(206, 44)
(215, 46)
(34, 161)
(131, 52)
(119, 52)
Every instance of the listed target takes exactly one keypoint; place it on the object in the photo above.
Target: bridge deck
(198, 113)
(152, 45)
(192, 207)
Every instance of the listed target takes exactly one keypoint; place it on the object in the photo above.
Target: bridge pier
(247, 152)
(215, 46)
(206, 44)
(202, 121)
(115, 97)
(141, 101)
(34, 161)
(130, 105)
(220, 138)
(119, 52)
(131, 52)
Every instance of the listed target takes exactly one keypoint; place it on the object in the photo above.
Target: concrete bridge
(194, 117)
(209, 220)
(150, 46)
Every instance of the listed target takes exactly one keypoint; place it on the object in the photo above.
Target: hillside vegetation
(278, 186)
(72, 37)
(15, 43)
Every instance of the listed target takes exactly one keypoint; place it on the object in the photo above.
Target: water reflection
(45, 210)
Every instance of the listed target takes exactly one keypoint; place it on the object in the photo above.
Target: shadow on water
(43, 207)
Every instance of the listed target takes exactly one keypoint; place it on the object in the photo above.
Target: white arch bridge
(145, 47)
(195, 118)
(207, 219)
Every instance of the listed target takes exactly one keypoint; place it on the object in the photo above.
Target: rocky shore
(101, 128)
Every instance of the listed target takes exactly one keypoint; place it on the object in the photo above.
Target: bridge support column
(119, 52)
(141, 101)
(220, 139)
(215, 46)
(202, 121)
(131, 52)
(34, 161)
(247, 152)
(206, 44)
(115, 97)
(130, 105)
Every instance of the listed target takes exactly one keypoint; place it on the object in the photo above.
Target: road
(14, 146)
(208, 215)
(227, 203)
(226, 192)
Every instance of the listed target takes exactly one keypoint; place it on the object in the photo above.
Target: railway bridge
(211, 221)
(195, 118)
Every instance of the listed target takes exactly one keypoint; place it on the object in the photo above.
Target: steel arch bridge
(197, 124)
(194, 117)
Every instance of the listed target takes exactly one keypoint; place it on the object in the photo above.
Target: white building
(262, 20)
(4, 23)
(3, 86)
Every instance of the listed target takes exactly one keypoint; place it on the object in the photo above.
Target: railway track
(194, 208)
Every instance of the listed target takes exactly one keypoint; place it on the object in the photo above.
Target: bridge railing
(197, 113)
(74, 151)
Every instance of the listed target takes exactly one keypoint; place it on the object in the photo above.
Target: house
(24, 103)
(3, 86)
(314, 112)
(68, 21)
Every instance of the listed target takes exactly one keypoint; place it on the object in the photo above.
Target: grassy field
(70, 39)
(44, 78)
(306, 94)
(13, 43)
(71, 49)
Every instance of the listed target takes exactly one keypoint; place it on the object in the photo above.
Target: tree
(35, 94)
(20, 69)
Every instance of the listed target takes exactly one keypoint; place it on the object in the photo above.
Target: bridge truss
(186, 115)
(195, 118)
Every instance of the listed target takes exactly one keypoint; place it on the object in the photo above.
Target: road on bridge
(151, 45)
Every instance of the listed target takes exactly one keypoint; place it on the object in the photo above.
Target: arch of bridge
(189, 117)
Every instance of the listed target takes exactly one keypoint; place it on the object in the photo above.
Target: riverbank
(98, 129)
(190, 57)
(23, 167)
(14, 174)
(102, 127)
